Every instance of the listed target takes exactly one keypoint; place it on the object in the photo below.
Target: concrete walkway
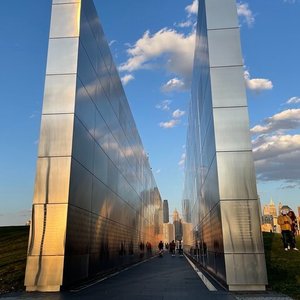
(166, 278)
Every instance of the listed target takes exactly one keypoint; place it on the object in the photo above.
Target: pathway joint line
(207, 283)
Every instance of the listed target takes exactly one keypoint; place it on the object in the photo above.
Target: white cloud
(275, 152)
(185, 24)
(283, 121)
(173, 85)
(176, 51)
(126, 78)
(112, 42)
(257, 84)
(192, 11)
(192, 8)
(182, 160)
(178, 113)
(277, 158)
(169, 124)
(164, 105)
(293, 100)
(244, 12)
(158, 171)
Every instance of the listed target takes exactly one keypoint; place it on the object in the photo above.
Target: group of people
(171, 246)
(288, 224)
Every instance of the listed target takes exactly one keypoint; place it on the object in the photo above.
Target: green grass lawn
(283, 266)
(13, 250)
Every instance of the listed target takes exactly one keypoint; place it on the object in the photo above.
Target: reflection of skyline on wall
(95, 198)
(219, 175)
(166, 211)
(186, 210)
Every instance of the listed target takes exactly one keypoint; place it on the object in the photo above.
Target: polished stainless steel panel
(50, 224)
(75, 266)
(65, 20)
(52, 180)
(100, 128)
(236, 175)
(99, 198)
(221, 14)
(56, 135)
(115, 207)
(219, 173)
(101, 164)
(211, 194)
(87, 73)
(80, 186)
(113, 176)
(232, 129)
(85, 155)
(59, 96)
(228, 87)
(241, 227)
(85, 109)
(91, 48)
(78, 231)
(245, 270)
(91, 159)
(224, 47)
(209, 146)
(44, 273)
(62, 56)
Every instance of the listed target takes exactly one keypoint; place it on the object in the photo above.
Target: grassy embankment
(13, 250)
(283, 267)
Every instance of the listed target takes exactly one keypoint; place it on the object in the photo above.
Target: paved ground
(157, 279)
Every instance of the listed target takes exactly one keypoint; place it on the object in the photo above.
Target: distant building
(267, 223)
(166, 211)
(269, 217)
(177, 225)
(168, 232)
(270, 209)
(175, 215)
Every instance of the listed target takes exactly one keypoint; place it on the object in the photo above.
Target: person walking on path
(285, 223)
(294, 226)
(160, 248)
(172, 248)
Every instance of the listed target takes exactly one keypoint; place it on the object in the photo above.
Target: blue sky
(152, 44)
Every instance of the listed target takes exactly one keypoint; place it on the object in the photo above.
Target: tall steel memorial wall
(95, 197)
(220, 177)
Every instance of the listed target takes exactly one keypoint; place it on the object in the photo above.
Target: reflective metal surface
(95, 199)
(60, 13)
(52, 180)
(233, 120)
(228, 86)
(62, 56)
(59, 94)
(219, 176)
(53, 140)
